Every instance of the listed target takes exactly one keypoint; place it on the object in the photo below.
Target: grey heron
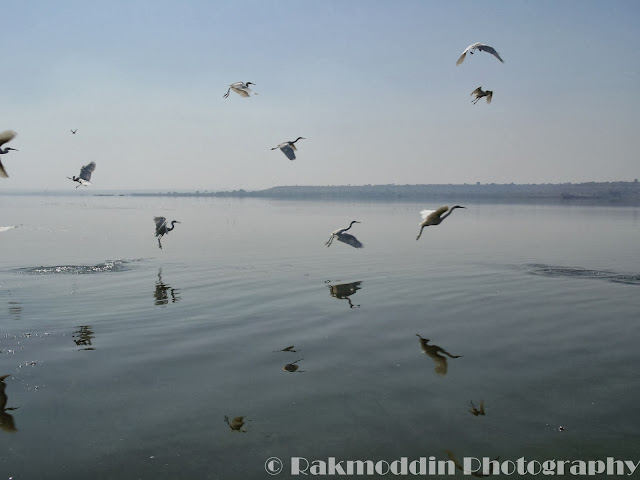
(74, 131)
(343, 237)
(478, 46)
(288, 148)
(85, 175)
(241, 88)
(5, 137)
(434, 217)
(478, 93)
(162, 228)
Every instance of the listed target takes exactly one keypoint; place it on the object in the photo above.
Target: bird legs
(419, 234)
(330, 241)
(159, 244)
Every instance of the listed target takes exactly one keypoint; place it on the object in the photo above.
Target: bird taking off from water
(343, 237)
(74, 131)
(85, 175)
(241, 89)
(478, 93)
(288, 148)
(478, 46)
(5, 136)
(162, 228)
(434, 217)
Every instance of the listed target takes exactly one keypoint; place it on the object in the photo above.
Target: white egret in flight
(478, 46)
(85, 175)
(288, 148)
(162, 228)
(241, 88)
(478, 93)
(5, 136)
(343, 237)
(434, 217)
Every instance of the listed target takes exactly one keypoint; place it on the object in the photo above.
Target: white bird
(343, 237)
(162, 228)
(4, 229)
(5, 136)
(288, 148)
(434, 217)
(241, 88)
(479, 93)
(478, 46)
(85, 175)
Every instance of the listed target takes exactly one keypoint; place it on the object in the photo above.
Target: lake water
(130, 362)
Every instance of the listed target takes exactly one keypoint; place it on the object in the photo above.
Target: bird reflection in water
(343, 291)
(83, 336)
(292, 367)
(163, 291)
(290, 348)
(434, 352)
(477, 411)
(15, 309)
(6, 420)
(235, 424)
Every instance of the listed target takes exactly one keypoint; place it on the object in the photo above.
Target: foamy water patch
(107, 266)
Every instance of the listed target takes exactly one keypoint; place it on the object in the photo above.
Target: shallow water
(125, 359)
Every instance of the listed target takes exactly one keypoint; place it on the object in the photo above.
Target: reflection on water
(292, 367)
(235, 424)
(290, 348)
(15, 309)
(459, 466)
(560, 271)
(164, 290)
(434, 351)
(6, 420)
(477, 411)
(83, 336)
(108, 266)
(343, 291)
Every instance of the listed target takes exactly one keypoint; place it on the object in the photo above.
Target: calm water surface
(128, 361)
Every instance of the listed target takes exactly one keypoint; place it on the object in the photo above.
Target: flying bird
(343, 237)
(85, 175)
(288, 148)
(241, 89)
(74, 131)
(162, 228)
(434, 217)
(479, 93)
(5, 136)
(478, 46)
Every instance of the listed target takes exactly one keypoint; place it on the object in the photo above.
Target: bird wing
(289, 151)
(3, 172)
(491, 50)
(477, 91)
(87, 170)
(464, 54)
(489, 96)
(243, 92)
(6, 136)
(4, 229)
(350, 240)
(431, 215)
(160, 221)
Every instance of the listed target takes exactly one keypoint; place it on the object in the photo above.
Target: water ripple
(579, 272)
(107, 266)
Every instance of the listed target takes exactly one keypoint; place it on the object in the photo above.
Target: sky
(372, 85)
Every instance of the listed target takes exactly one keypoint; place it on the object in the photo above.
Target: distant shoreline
(606, 193)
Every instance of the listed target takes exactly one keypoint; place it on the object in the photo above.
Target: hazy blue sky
(373, 85)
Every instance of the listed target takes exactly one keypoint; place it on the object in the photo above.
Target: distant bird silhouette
(478, 46)
(434, 217)
(241, 89)
(477, 411)
(162, 228)
(288, 148)
(5, 137)
(343, 237)
(85, 175)
(235, 424)
(74, 131)
(479, 93)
